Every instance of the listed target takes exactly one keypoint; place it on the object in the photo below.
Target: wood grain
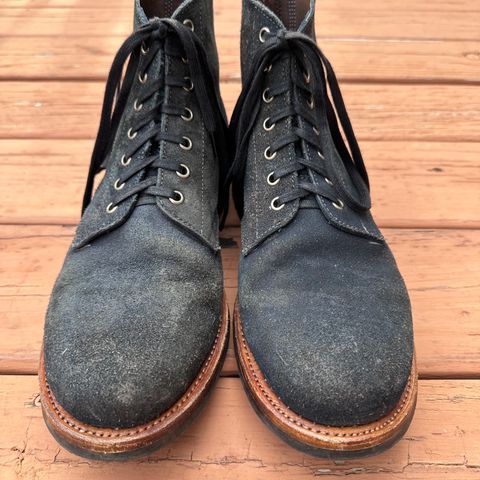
(229, 441)
(445, 295)
(378, 111)
(366, 60)
(402, 19)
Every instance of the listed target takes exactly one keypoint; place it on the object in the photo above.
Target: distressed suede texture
(327, 317)
(137, 305)
(323, 306)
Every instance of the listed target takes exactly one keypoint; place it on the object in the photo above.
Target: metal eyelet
(268, 69)
(270, 181)
(144, 49)
(188, 117)
(131, 134)
(186, 146)
(125, 161)
(274, 205)
(311, 103)
(137, 106)
(262, 32)
(328, 181)
(184, 60)
(265, 96)
(306, 77)
(338, 204)
(117, 185)
(111, 208)
(316, 130)
(268, 155)
(184, 172)
(142, 78)
(189, 24)
(190, 84)
(320, 155)
(267, 127)
(179, 198)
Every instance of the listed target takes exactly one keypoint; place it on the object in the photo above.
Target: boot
(323, 326)
(137, 326)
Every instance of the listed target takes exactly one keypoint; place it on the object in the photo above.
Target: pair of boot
(137, 326)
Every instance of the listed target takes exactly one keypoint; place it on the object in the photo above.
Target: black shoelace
(141, 48)
(311, 104)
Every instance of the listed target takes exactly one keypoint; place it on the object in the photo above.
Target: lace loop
(140, 49)
(349, 182)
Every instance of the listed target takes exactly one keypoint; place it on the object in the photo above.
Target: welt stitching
(301, 424)
(148, 426)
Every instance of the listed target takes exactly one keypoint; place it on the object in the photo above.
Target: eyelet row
(177, 200)
(186, 145)
(267, 153)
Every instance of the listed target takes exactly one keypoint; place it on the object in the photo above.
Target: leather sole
(124, 443)
(312, 438)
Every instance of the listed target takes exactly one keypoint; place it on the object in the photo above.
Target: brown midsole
(109, 440)
(356, 438)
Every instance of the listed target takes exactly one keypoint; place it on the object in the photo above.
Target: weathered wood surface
(446, 113)
(397, 19)
(398, 60)
(229, 441)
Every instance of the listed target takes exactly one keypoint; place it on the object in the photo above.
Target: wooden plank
(414, 184)
(445, 294)
(76, 58)
(378, 111)
(442, 19)
(229, 441)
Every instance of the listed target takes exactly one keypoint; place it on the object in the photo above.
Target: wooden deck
(410, 72)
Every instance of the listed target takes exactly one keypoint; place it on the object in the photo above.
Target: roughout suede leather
(323, 306)
(137, 305)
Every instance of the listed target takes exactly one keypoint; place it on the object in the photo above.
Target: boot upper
(137, 305)
(323, 306)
